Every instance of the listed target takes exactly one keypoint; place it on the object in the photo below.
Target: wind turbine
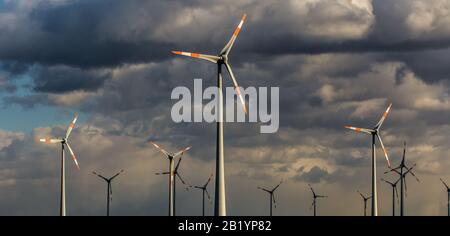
(271, 196)
(172, 173)
(64, 142)
(315, 196)
(204, 190)
(402, 170)
(176, 174)
(365, 199)
(394, 193)
(109, 188)
(375, 132)
(448, 196)
(221, 59)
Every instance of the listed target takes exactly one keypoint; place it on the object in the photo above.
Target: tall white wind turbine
(64, 142)
(221, 59)
(375, 133)
(173, 172)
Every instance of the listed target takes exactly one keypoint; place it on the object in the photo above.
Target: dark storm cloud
(109, 33)
(73, 33)
(336, 63)
(65, 79)
(289, 44)
(315, 175)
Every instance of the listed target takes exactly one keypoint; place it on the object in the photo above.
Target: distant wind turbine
(204, 189)
(63, 142)
(375, 132)
(221, 59)
(402, 170)
(365, 199)
(172, 173)
(394, 193)
(271, 196)
(448, 196)
(315, 196)
(109, 188)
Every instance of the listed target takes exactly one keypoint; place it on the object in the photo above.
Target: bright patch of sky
(18, 119)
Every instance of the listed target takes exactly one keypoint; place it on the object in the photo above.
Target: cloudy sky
(336, 63)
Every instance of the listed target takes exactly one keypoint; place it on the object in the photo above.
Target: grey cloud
(126, 94)
(315, 175)
(61, 79)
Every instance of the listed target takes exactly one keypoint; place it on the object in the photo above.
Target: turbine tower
(64, 142)
(109, 188)
(204, 189)
(365, 199)
(221, 59)
(375, 133)
(403, 170)
(394, 193)
(271, 196)
(448, 197)
(172, 173)
(315, 196)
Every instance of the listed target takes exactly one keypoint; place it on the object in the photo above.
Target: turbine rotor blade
(74, 158)
(116, 174)
(210, 58)
(182, 151)
(99, 175)
(178, 165)
(230, 43)
(412, 173)
(385, 114)
(207, 194)
(110, 191)
(360, 194)
(71, 126)
(209, 179)
(387, 181)
(162, 173)
(273, 190)
(359, 130)
(50, 140)
(396, 192)
(311, 205)
(236, 87)
(179, 176)
(384, 151)
(161, 149)
(406, 188)
(274, 201)
(445, 184)
(263, 189)
(393, 170)
(312, 190)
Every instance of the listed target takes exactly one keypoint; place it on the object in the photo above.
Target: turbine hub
(224, 58)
